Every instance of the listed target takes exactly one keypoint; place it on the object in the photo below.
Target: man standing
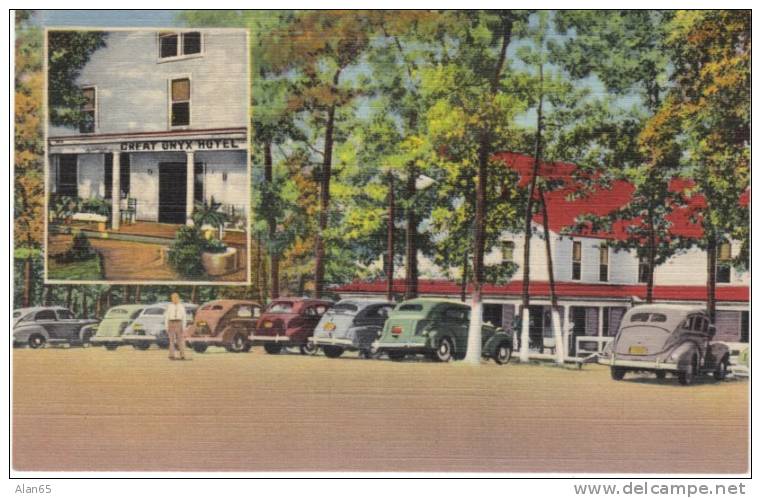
(174, 321)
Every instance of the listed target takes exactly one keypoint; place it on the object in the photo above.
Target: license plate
(330, 326)
(201, 324)
(637, 350)
(137, 326)
(267, 325)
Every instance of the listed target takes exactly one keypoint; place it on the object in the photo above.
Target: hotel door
(172, 191)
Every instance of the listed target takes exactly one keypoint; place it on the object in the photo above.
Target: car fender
(230, 330)
(490, 346)
(683, 354)
(716, 351)
(22, 334)
(93, 328)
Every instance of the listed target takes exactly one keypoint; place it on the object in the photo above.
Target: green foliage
(81, 250)
(68, 52)
(214, 246)
(185, 252)
(95, 205)
(87, 269)
(209, 213)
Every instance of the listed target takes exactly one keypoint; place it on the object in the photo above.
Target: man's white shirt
(174, 312)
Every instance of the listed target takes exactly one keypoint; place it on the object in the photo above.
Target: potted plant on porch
(216, 257)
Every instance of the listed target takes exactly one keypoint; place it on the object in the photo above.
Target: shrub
(95, 205)
(214, 246)
(80, 250)
(185, 252)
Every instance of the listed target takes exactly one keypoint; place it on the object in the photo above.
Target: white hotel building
(595, 284)
(168, 119)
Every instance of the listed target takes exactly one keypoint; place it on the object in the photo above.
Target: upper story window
(576, 261)
(174, 45)
(508, 251)
(604, 253)
(87, 125)
(724, 263)
(180, 102)
(643, 272)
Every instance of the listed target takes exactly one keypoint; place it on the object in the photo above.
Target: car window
(658, 317)
(345, 308)
(320, 309)
(65, 315)
(456, 313)
(135, 314)
(698, 324)
(116, 312)
(410, 307)
(16, 314)
(639, 317)
(45, 315)
(154, 311)
(280, 307)
(247, 311)
(378, 311)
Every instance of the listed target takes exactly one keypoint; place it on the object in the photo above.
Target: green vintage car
(110, 330)
(438, 328)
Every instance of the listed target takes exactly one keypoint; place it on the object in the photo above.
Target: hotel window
(643, 272)
(179, 44)
(87, 125)
(604, 253)
(180, 105)
(724, 263)
(576, 261)
(508, 251)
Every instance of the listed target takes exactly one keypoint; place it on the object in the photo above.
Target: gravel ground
(87, 409)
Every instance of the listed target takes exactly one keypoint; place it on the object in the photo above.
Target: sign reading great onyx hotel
(166, 117)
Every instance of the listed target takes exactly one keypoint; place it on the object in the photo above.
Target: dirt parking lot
(89, 409)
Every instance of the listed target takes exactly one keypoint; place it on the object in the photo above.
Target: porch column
(116, 191)
(567, 328)
(190, 196)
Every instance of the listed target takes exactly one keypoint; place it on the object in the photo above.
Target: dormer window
(173, 45)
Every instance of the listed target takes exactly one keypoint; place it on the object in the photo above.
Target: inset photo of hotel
(148, 173)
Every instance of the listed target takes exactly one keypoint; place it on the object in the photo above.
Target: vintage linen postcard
(469, 241)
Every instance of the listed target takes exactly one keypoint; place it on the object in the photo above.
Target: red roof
(563, 289)
(563, 209)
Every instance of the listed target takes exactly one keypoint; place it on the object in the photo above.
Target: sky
(107, 18)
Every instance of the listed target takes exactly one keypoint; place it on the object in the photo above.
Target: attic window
(174, 45)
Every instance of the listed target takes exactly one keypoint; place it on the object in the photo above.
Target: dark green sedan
(438, 328)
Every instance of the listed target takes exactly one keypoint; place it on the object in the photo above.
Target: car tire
(687, 377)
(273, 348)
(237, 344)
(36, 341)
(444, 350)
(142, 346)
(660, 375)
(721, 370)
(199, 347)
(503, 353)
(308, 349)
(396, 355)
(617, 373)
(332, 351)
(111, 347)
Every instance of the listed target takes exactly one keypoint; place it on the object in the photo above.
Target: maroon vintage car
(289, 322)
(224, 322)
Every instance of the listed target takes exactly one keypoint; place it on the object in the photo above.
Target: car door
(68, 325)
(47, 319)
(454, 323)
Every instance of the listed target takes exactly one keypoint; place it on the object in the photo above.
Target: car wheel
(617, 373)
(199, 347)
(686, 377)
(309, 348)
(37, 341)
(721, 369)
(141, 346)
(332, 351)
(86, 335)
(111, 347)
(444, 350)
(273, 348)
(238, 344)
(503, 353)
(660, 375)
(396, 355)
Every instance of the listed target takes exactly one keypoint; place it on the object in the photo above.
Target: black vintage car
(35, 327)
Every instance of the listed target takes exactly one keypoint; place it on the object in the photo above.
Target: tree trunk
(464, 279)
(194, 294)
(271, 225)
(525, 299)
(84, 302)
(27, 296)
(108, 297)
(48, 290)
(69, 290)
(390, 239)
(473, 353)
(99, 305)
(126, 294)
(650, 254)
(711, 245)
(137, 294)
(301, 284)
(411, 276)
(557, 329)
